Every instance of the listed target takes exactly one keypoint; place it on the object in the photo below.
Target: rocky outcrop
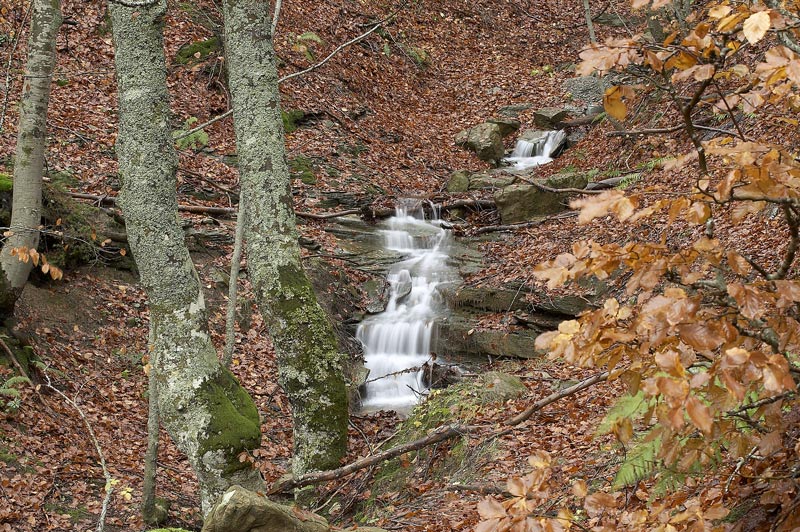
(524, 202)
(485, 139)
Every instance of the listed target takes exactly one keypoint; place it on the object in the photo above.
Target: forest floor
(379, 121)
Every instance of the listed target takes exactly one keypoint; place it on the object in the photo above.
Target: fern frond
(10, 392)
(16, 381)
(640, 462)
(629, 406)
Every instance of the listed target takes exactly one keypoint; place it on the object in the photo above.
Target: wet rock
(439, 376)
(484, 139)
(549, 117)
(485, 299)
(458, 336)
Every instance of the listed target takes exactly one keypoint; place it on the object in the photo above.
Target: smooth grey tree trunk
(309, 361)
(204, 409)
(26, 209)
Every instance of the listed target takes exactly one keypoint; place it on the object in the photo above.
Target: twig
(14, 360)
(482, 489)
(558, 190)
(109, 480)
(135, 3)
(334, 52)
(553, 397)
(293, 74)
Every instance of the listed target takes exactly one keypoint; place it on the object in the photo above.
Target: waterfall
(531, 152)
(401, 336)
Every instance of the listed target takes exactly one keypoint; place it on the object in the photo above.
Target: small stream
(532, 152)
(398, 341)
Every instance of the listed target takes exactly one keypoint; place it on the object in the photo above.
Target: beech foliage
(704, 336)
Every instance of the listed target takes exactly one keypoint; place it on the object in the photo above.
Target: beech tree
(19, 252)
(309, 360)
(207, 413)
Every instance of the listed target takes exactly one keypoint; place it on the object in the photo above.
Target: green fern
(640, 462)
(629, 406)
(10, 389)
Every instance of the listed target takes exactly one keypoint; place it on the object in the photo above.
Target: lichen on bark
(202, 406)
(26, 211)
(309, 360)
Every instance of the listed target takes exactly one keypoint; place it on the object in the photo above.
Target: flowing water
(398, 340)
(529, 153)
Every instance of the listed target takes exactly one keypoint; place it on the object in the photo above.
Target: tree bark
(26, 208)
(309, 361)
(207, 413)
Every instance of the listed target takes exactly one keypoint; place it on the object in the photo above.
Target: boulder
(484, 139)
(586, 89)
(549, 117)
(491, 181)
(458, 182)
(523, 202)
(507, 125)
(241, 510)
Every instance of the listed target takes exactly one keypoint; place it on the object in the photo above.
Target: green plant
(10, 398)
(195, 141)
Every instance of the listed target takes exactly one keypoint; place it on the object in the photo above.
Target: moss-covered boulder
(524, 202)
(458, 404)
(241, 510)
(458, 182)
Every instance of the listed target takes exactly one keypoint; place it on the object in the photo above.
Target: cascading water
(531, 152)
(399, 339)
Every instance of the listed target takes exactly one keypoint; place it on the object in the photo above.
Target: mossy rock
(302, 168)
(168, 530)
(198, 51)
(291, 119)
(460, 403)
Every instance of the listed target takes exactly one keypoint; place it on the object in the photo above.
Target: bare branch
(101, 523)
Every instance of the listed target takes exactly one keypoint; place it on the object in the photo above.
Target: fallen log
(214, 211)
(524, 225)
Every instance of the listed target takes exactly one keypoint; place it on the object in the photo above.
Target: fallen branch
(524, 225)
(552, 398)
(437, 435)
(482, 489)
(558, 190)
(219, 211)
(101, 523)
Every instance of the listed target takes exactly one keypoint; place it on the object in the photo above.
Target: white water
(529, 153)
(401, 336)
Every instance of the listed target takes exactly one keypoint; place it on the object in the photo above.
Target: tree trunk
(204, 409)
(26, 208)
(309, 361)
